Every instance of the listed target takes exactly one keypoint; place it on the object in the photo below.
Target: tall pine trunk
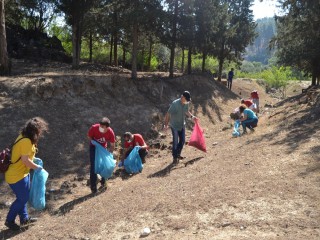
(115, 40)
(150, 54)
(174, 36)
(182, 61)
(189, 59)
(204, 57)
(90, 46)
(124, 51)
(4, 60)
(111, 50)
(134, 50)
(76, 44)
(115, 49)
(221, 61)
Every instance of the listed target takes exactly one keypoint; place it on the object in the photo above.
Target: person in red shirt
(255, 99)
(249, 103)
(132, 140)
(103, 134)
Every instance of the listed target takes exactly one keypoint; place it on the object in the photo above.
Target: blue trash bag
(37, 195)
(104, 163)
(133, 163)
(236, 131)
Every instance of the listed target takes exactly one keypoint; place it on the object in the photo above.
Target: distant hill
(259, 50)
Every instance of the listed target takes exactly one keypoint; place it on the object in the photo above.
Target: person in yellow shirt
(17, 175)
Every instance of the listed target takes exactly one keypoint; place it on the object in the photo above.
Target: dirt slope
(263, 185)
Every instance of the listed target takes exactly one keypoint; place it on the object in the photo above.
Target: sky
(267, 8)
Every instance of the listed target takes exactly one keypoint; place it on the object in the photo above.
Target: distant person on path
(103, 134)
(230, 78)
(175, 117)
(132, 140)
(17, 175)
(255, 99)
(248, 119)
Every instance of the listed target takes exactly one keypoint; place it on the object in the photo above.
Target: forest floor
(263, 185)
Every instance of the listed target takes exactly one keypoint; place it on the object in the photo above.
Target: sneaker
(103, 186)
(12, 226)
(251, 129)
(28, 221)
(103, 183)
(180, 157)
(175, 161)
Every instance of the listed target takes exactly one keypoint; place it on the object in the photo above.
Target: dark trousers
(142, 153)
(179, 138)
(93, 175)
(250, 123)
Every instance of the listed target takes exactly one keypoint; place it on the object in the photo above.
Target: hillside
(263, 185)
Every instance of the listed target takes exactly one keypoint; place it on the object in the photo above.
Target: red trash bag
(197, 139)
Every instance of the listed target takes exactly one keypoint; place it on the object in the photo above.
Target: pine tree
(298, 37)
(4, 60)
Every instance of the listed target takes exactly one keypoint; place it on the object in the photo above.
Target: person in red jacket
(103, 134)
(132, 140)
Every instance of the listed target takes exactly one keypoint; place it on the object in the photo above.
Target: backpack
(5, 158)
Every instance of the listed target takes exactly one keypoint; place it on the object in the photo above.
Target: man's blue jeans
(179, 138)
(93, 175)
(19, 207)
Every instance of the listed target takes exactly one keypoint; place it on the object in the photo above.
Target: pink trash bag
(197, 139)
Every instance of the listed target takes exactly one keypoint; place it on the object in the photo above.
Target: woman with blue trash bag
(18, 173)
(248, 119)
(103, 134)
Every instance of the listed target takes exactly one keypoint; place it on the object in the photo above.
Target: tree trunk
(4, 60)
(221, 61)
(90, 46)
(123, 56)
(115, 49)
(150, 54)
(111, 49)
(134, 50)
(76, 44)
(182, 61)
(204, 56)
(115, 40)
(142, 57)
(174, 36)
(189, 60)
(220, 69)
(315, 73)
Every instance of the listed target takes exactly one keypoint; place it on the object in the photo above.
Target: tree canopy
(298, 36)
(153, 30)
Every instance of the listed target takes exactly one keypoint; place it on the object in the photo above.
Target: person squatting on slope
(175, 117)
(132, 140)
(18, 173)
(103, 134)
(248, 119)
